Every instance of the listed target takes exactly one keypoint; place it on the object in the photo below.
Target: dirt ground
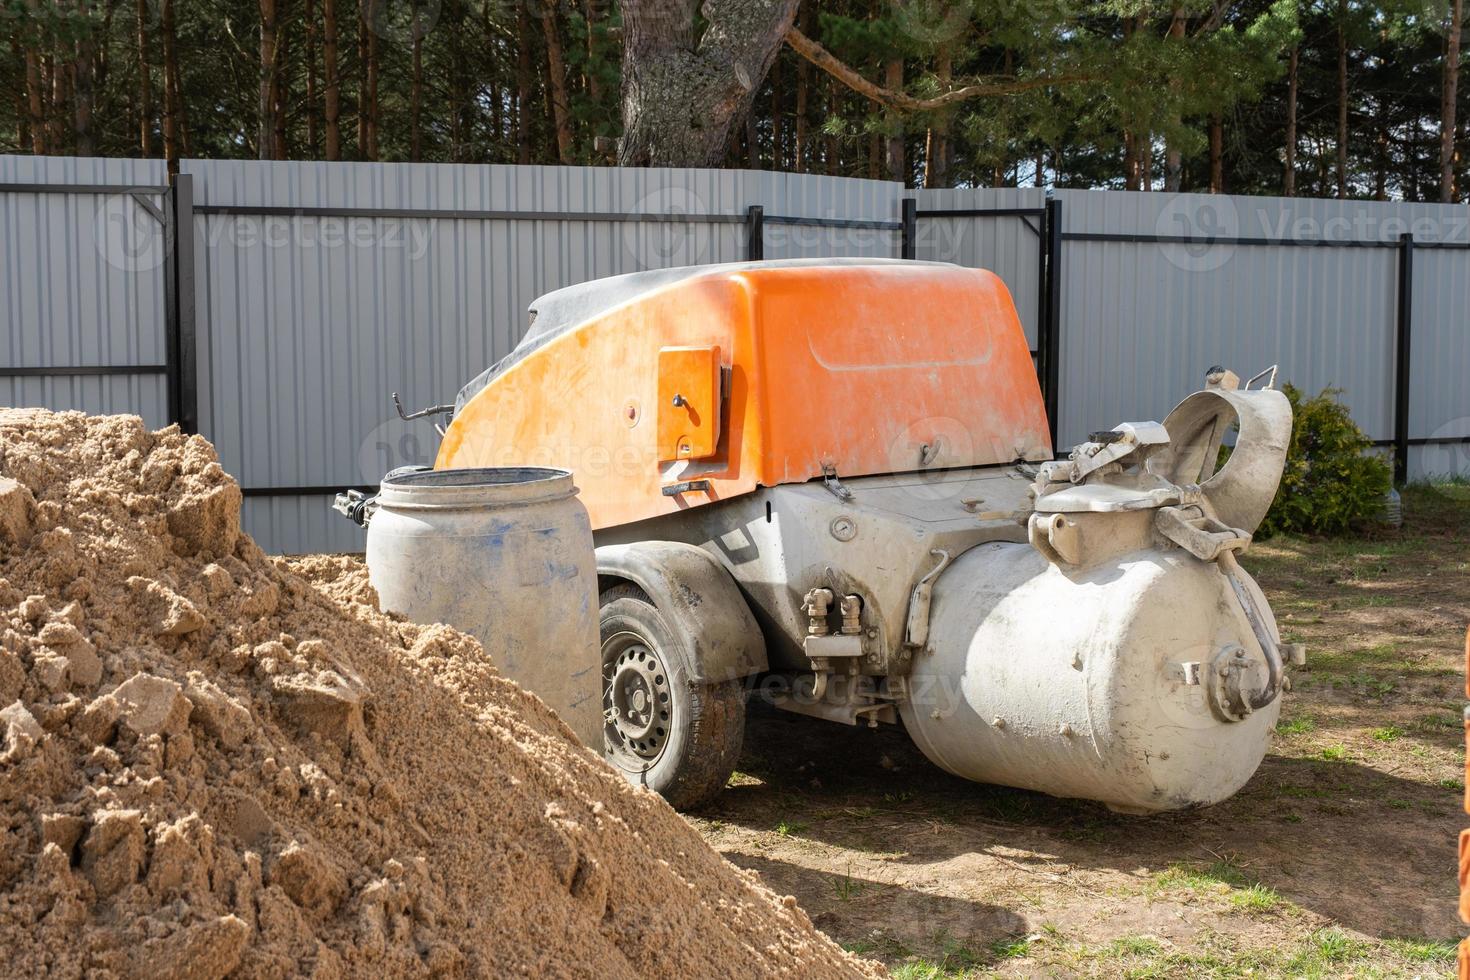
(1337, 859)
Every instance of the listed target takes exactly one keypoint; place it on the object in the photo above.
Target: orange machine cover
(863, 369)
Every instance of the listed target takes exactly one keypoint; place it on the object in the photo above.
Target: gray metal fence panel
(305, 322)
(1439, 400)
(83, 284)
(1008, 245)
(1141, 322)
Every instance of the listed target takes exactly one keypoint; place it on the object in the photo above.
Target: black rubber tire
(708, 725)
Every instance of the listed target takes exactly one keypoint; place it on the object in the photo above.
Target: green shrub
(1333, 480)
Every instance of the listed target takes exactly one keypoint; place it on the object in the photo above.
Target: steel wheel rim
(637, 702)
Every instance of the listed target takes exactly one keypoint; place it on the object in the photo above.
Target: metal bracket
(143, 199)
(834, 485)
(916, 633)
(674, 489)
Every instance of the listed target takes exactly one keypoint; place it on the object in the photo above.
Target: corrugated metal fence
(297, 295)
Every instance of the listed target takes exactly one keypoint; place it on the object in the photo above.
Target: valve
(816, 603)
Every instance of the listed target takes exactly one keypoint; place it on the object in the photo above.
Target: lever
(431, 410)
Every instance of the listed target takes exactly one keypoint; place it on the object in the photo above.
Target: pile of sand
(208, 763)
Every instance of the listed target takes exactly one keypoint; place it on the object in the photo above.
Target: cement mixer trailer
(836, 478)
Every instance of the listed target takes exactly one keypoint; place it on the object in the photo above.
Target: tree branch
(996, 85)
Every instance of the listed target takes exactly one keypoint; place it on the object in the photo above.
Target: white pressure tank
(504, 554)
(1120, 682)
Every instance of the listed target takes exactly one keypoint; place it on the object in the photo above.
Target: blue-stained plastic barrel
(504, 554)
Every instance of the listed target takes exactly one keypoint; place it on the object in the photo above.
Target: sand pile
(209, 764)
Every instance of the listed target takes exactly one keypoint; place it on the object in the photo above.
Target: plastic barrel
(504, 554)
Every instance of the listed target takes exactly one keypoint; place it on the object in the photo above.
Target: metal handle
(431, 410)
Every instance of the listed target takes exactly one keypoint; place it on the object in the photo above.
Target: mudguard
(699, 598)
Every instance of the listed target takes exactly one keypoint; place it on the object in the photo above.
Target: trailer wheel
(662, 730)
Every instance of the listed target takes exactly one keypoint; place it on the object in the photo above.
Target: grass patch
(1297, 726)
(846, 887)
(957, 960)
(1335, 753)
(1423, 950)
(1439, 722)
(788, 827)
(1324, 951)
(1010, 949)
(1243, 891)
(1203, 878)
(1388, 733)
(1255, 898)
(1133, 946)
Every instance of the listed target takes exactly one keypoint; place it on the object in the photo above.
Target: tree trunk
(35, 97)
(1288, 176)
(594, 87)
(172, 109)
(1217, 155)
(144, 83)
(752, 144)
(893, 147)
(1342, 100)
(832, 156)
(937, 156)
(778, 156)
(370, 150)
(1447, 102)
(1380, 164)
(416, 92)
(311, 77)
(1130, 161)
(278, 87)
(803, 87)
(523, 85)
(362, 82)
(561, 112)
(1173, 158)
(685, 90)
(1039, 180)
(265, 135)
(22, 112)
(331, 84)
(86, 74)
(56, 119)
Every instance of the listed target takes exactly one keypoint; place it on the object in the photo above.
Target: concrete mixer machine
(837, 477)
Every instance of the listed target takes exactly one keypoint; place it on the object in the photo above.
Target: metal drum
(504, 554)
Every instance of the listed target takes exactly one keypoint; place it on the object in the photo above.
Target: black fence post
(171, 306)
(755, 233)
(910, 246)
(1050, 331)
(1404, 329)
(184, 349)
